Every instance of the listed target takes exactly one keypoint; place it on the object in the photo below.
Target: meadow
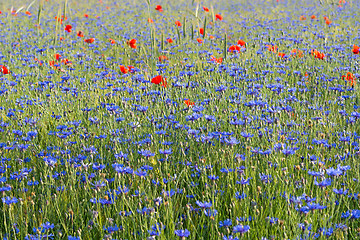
(179, 119)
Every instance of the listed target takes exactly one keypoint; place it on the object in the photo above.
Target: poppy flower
(313, 17)
(162, 58)
(241, 43)
(211, 37)
(282, 55)
(205, 9)
(297, 52)
(57, 56)
(328, 22)
(150, 20)
(349, 77)
(4, 70)
(80, 33)
(132, 43)
(189, 103)
(199, 40)
(112, 41)
(66, 61)
(123, 69)
(272, 48)
(89, 40)
(28, 13)
(217, 60)
(302, 18)
(218, 17)
(318, 54)
(159, 8)
(355, 49)
(159, 79)
(178, 23)
(201, 31)
(234, 48)
(85, 15)
(169, 40)
(68, 28)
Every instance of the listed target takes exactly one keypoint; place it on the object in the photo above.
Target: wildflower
(182, 233)
(68, 28)
(205, 9)
(169, 40)
(241, 229)
(150, 20)
(28, 13)
(302, 18)
(178, 23)
(162, 58)
(159, 8)
(355, 49)
(112, 41)
(234, 48)
(80, 33)
(90, 40)
(313, 17)
(349, 77)
(159, 79)
(132, 43)
(199, 40)
(189, 103)
(241, 43)
(201, 31)
(218, 17)
(4, 70)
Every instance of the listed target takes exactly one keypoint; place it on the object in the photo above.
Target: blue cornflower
(241, 229)
(182, 233)
(225, 223)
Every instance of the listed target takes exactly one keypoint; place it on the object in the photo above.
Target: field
(179, 119)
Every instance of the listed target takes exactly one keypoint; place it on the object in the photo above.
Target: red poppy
(234, 48)
(201, 31)
(355, 49)
(349, 77)
(282, 55)
(217, 60)
(169, 40)
(199, 40)
(297, 52)
(218, 17)
(112, 41)
(28, 13)
(57, 56)
(328, 22)
(241, 43)
(123, 69)
(150, 20)
(313, 17)
(272, 48)
(132, 43)
(159, 79)
(89, 40)
(68, 28)
(318, 54)
(189, 103)
(4, 70)
(66, 61)
(85, 15)
(159, 8)
(178, 23)
(205, 9)
(80, 33)
(162, 58)
(302, 18)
